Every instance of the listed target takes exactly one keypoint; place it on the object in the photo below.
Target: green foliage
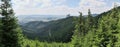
(58, 30)
(107, 30)
(100, 31)
(11, 33)
(0, 33)
(36, 43)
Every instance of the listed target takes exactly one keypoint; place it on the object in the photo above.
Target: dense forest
(50, 31)
(90, 31)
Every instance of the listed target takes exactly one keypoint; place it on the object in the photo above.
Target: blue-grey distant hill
(28, 18)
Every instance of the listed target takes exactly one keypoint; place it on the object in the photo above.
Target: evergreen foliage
(105, 35)
(11, 33)
(100, 31)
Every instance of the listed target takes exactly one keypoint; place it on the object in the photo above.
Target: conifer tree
(79, 26)
(118, 26)
(89, 22)
(11, 33)
(89, 19)
(0, 32)
(79, 31)
(107, 30)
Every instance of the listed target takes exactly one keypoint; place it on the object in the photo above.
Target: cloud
(92, 3)
(57, 7)
(116, 3)
(58, 1)
(96, 6)
(31, 3)
(43, 7)
(56, 10)
(27, 7)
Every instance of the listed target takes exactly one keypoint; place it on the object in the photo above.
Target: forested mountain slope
(104, 32)
(57, 30)
(100, 31)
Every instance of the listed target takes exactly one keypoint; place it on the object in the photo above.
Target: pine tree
(11, 32)
(79, 26)
(89, 19)
(89, 22)
(0, 32)
(107, 30)
(118, 26)
(79, 31)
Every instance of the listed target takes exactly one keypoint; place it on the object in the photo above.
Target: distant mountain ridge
(28, 18)
(56, 30)
(42, 29)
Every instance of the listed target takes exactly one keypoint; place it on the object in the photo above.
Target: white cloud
(57, 10)
(92, 3)
(31, 3)
(27, 7)
(24, 7)
(46, 3)
(59, 1)
(96, 6)
(115, 3)
(48, 7)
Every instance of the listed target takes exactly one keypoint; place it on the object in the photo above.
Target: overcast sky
(61, 7)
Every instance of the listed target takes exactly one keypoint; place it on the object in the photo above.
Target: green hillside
(82, 31)
(102, 31)
(58, 30)
(103, 34)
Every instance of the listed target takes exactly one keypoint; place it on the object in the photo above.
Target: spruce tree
(79, 28)
(89, 22)
(11, 32)
(79, 31)
(118, 26)
(89, 19)
(0, 32)
(107, 30)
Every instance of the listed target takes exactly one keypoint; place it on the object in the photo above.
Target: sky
(61, 7)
